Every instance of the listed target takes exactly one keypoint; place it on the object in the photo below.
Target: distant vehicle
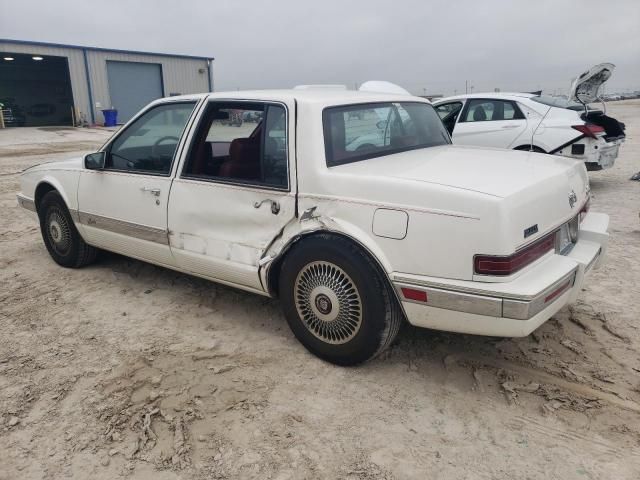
(541, 123)
(352, 240)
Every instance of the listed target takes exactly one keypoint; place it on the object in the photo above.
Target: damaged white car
(540, 123)
(352, 240)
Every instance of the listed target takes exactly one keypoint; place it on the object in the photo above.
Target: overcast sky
(419, 44)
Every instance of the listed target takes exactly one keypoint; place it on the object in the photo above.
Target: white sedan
(352, 241)
(540, 123)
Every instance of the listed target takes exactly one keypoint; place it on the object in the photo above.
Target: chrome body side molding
(135, 230)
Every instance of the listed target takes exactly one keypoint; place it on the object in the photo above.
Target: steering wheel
(154, 148)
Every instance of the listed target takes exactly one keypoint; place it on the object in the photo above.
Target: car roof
(498, 95)
(321, 96)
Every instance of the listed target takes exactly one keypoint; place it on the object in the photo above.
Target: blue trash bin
(110, 117)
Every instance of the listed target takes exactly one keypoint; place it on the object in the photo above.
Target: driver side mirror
(382, 125)
(95, 161)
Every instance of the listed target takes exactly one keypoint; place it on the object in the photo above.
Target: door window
(149, 144)
(479, 110)
(448, 113)
(241, 142)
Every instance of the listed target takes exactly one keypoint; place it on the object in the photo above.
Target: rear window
(358, 132)
(560, 102)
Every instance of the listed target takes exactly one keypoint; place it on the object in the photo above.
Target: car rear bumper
(509, 309)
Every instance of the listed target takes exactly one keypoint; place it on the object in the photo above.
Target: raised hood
(585, 88)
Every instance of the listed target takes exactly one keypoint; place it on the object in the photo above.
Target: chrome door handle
(275, 206)
(152, 191)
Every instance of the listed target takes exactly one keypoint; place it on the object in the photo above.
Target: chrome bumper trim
(493, 304)
(26, 203)
(524, 310)
(457, 301)
(135, 230)
(593, 261)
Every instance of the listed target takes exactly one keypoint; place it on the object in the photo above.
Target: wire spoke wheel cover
(58, 231)
(328, 302)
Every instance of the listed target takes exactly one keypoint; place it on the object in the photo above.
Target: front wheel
(336, 302)
(60, 235)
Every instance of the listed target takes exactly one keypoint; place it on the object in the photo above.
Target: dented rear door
(223, 213)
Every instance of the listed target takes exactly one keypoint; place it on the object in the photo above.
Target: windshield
(358, 132)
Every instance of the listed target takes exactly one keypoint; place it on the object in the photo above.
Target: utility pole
(471, 88)
(466, 86)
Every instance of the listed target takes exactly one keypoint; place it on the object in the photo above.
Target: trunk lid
(538, 192)
(585, 88)
(492, 171)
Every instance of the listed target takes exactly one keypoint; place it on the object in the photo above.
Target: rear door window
(241, 142)
(481, 110)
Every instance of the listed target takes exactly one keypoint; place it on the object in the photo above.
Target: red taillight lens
(503, 266)
(589, 129)
(413, 294)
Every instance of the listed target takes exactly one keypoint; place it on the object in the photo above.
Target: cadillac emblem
(572, 198)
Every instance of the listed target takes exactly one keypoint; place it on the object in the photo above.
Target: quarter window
(241, 142)
(479, 110)
(149, 144)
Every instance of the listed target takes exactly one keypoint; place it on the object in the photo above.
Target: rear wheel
(64, 243)
(336, 302)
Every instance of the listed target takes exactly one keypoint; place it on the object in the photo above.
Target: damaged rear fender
(300, 228)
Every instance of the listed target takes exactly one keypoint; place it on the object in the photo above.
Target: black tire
(60, 235)
(323, 270)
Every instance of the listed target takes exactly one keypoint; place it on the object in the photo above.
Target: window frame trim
(240, 183)
(360, 158)
(469, 101)
(176, 155)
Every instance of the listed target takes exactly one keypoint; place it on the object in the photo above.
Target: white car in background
(523, 121)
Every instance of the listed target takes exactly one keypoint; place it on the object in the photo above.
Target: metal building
(54, 84)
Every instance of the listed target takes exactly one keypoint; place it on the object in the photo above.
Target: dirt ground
(123, 369)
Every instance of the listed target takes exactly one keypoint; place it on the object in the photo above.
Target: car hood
(69, 164)
(496, 172)
(585, 87)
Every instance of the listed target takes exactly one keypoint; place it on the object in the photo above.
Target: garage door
(132, 85)
(35, 90)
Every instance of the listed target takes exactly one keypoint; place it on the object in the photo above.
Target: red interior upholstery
(244, 159)
(201, 154)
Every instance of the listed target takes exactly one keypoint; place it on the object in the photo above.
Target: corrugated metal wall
(76, 69)
(179, 75)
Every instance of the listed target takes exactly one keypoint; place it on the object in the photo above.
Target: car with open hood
(353, 240)
(567, 126)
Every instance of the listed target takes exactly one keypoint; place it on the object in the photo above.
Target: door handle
(510, 126)
(152, 191)
(275, 206)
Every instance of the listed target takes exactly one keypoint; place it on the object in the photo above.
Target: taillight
(585, 209)
(504, 266)
(589, 129)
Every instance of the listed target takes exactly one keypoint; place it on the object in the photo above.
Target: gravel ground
(123, 369)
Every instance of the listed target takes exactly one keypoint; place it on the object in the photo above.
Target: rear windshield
(358, 132)
(560, 102)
